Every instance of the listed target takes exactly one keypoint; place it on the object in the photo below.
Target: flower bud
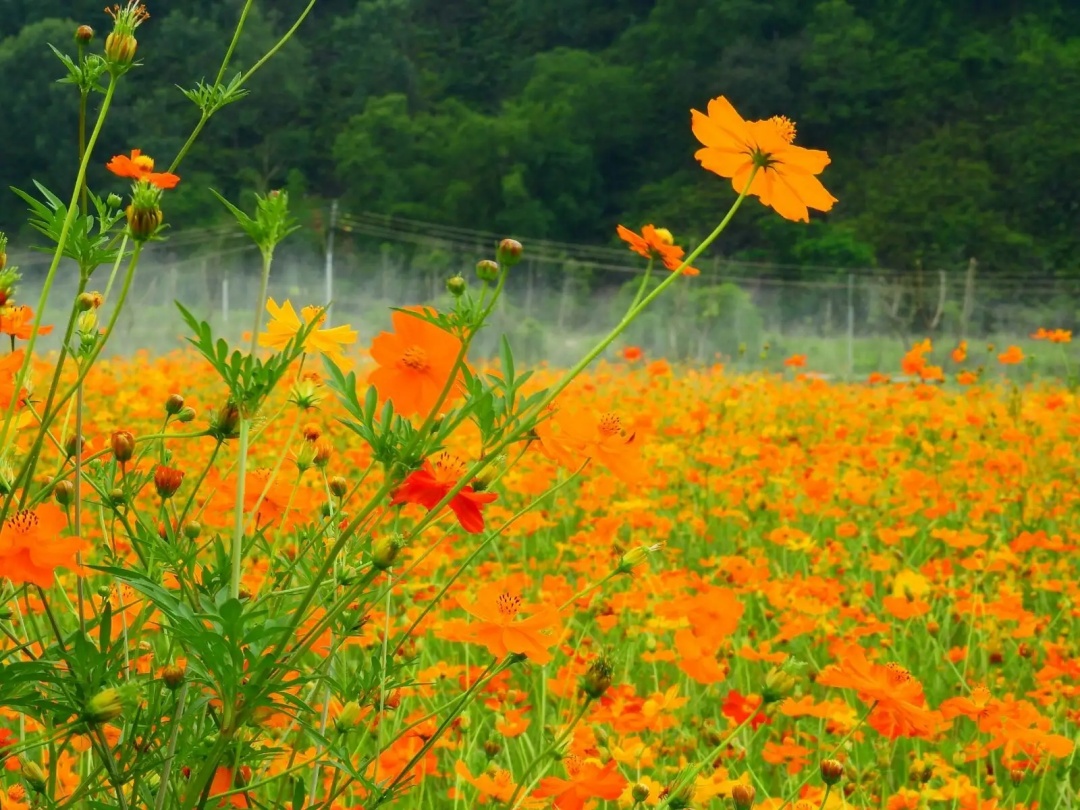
(635, 557)
(487, 270)
(75, 444)
(639, 793)
(174, 404)
(63, 492)
(348, 718)
(597, 678)
(83, 34)
(192, 529)
(311, 432)
(185, 415)
(385, 550)
(323, 451)
(167, 480)
(34, 775)
(123, 445)
(455, 285)
(114, 201)
(117, 498)
(143, 221)
(831, 771)
(103, 707)
(226, 420)
(3, 251)
(743, 795)
(680, 798)
(172, 676)
(338, 486)
(84, 302)
(509, 252)
(306, 457)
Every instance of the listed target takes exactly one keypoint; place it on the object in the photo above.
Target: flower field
(912, 547)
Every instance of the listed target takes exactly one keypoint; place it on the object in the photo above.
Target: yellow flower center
(24, 521)
(785, 126)
(610, 424)
(448, 468)
(416, 359)
(665, 236)
(897, 674)
(508, 605)
(144, 163)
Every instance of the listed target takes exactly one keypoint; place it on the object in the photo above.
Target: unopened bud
(167, 480)
(639, 793)
(831, 771)
(680, 798)
(597, 678)
(323, 451)
(635, 557)
(83, 34)
(492, 748)
(34, 775)
(487, 270)
(103, 707)
(338, 486)
(173, 676)
(123, 445)
(174, 404)
(120, 48)
(455, 285)
(185, 415)
(743, 795)
(114, 201)
(75, 444)
(192, 529)
(84, 302)
(509, 252)
(117, 497)
(64, 492)
(385, 550)
(143, 222)
(348, 718)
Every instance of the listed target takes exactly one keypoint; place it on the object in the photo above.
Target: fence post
(851, 325)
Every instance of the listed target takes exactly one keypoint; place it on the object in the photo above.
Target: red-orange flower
(587, 780)
(415, 363)
(431, 483)
(18, 321)
(31, 548)
(502, 630)
(796, 361)
(141, 167)
(786, 179)
(656, 243)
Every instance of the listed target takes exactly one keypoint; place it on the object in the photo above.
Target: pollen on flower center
(573, 765)
(448, 468)
(144, 163)
(23, 521)
(611, 424)
(785, 126)
(415, 358)
(665, 236)
(897, 674)
(508, 604)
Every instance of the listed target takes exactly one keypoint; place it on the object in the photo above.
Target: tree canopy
(952, 126)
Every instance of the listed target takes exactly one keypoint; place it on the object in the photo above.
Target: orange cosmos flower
(31, 548)
(586, 780)
(9, 370)
(141, 167)
(656, 243)
(573, 434)
(900, 709)
(1053, 335)
(18, 321)
(495, 783)
(796, 361)
(786, 180)
(632, 354)
(1011, 356)
(430, 484)
(415, 363)
(498, 608)
(959, 354)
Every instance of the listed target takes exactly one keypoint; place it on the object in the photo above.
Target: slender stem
(280, 43)
(644, 283)
(687, 778)
(58, 254)
(166, 770)
(238, 526)
(116, 265)
(232, 45)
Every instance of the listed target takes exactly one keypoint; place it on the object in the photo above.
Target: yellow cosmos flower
(285, 325)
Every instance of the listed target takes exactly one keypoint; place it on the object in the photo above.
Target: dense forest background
(953, 126)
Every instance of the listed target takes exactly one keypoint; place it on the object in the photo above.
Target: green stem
(687, 778)
(58, 254)
(280, 43)
(232, 45)
(644, 283)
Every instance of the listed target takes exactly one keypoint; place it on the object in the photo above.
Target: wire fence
(562, 297)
